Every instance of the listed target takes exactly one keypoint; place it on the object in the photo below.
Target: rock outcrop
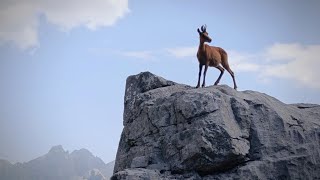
(174, 131)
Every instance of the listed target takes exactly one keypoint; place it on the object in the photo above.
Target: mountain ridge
(58, 164)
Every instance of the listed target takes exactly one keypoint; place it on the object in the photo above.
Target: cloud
(18, 23)
(138, 54)
(19, 19)
(182, 52)
(243, 62)
(142, 55)
(294, 61)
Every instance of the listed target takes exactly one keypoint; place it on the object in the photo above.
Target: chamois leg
(204, 75)
(200, 70)
(232, 75)
(225, 64)
(221, 73)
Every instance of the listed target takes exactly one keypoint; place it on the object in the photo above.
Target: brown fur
(212, 56)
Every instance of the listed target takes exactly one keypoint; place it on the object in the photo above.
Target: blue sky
(63, 64)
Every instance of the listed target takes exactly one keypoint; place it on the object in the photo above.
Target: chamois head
(204, 36)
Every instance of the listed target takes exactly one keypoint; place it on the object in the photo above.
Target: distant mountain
(58, 164)
(108, 170)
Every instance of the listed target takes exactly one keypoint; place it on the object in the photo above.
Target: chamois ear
(199, 31)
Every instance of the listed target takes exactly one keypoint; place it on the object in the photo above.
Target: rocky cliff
(173, 131)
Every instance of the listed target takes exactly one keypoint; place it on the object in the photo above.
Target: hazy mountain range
(58, 164)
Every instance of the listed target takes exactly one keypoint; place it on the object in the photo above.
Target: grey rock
(137, 174)
(151, 174)
(135, 85)
(140, 162)
(175, 131)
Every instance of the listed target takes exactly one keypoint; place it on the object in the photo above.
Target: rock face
(174, 131)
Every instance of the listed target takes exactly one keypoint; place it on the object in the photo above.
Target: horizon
(65, 150)
(63, 74)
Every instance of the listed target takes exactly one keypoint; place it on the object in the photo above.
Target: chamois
(211, 56)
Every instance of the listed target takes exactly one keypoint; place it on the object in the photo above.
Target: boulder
(174, 131)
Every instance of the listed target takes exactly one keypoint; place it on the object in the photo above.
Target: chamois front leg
(204, 75)
(200, 70)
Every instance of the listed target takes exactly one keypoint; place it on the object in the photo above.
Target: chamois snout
(209, 40)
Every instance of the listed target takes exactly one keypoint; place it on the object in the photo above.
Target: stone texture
(140, 162)
(175, 131)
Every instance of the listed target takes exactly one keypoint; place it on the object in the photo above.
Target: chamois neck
(201, 45)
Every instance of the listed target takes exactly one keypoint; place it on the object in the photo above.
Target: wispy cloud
(182, 52)
(138, 54)
(295, 61)
(144, 55)
(19, 19)
(244, 62)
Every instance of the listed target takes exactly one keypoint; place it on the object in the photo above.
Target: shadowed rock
(174, 131)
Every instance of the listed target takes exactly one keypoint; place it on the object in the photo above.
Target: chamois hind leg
(221, 73)
(200, 69)
(227, 67)
(204, 75)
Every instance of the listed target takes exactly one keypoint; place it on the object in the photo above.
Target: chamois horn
(204, 28)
